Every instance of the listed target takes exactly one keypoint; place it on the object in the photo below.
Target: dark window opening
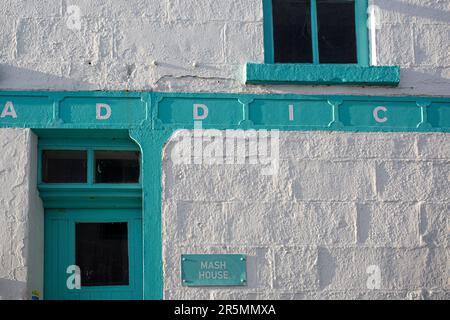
(337, 33)
(101, 252)
(62, 166)
(117, 167)
(292, 31)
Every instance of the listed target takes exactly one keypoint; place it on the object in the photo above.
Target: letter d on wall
(204, 114)
(103, 111)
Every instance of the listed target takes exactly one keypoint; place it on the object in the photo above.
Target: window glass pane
(117, 167)
(59, 166)
(337, 34)
(292, 31)
(102, 253)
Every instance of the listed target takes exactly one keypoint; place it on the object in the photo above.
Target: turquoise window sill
(326, 74)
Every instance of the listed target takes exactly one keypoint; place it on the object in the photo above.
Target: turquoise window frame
(90, 148)
(362, 34)
(315, 73)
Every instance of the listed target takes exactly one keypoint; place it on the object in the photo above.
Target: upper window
(116, 166)
(64, 166)
(90, 166)
(316, 31)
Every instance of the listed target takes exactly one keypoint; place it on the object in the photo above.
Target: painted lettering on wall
(377, 114)
(201, 112)
(225, 112)
(291, 112)
(103, 111)
(8, 111)
(200, 115)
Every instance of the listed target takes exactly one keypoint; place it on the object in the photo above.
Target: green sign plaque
(210, 270)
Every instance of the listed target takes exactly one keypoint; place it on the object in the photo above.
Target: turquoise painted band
(125, 110)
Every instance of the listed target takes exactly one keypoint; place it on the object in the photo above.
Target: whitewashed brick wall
(21, 216)
(119, 40)
(341, 202)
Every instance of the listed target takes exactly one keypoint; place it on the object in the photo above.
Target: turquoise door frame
(152, 143)
(152, 117)
(60, 253)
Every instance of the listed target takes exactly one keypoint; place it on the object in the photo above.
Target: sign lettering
(221, 112)
(376, 114)
(9, 111)
(291, 112)
(103, 111)
(197, 115)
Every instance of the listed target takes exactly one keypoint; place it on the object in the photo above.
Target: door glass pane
(62, 166)
(292, 31)
(117, 167)
(337, 33)
(101, 252)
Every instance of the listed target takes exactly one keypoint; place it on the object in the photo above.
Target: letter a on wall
(8, 111)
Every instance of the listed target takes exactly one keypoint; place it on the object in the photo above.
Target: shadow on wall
(15, 78)
(12, 289)
(430, 77)
(415, 10)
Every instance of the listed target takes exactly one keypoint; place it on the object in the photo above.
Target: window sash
(90, 163)
(362, 38)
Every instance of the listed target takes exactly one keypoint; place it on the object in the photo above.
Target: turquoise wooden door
(105, 244)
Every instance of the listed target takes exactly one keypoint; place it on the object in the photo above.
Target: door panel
(100, 230)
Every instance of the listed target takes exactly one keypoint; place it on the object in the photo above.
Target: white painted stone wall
(153, 45)
(21, 216)
(340, 203)
(42, 48)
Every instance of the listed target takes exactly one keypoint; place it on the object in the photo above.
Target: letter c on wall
(376, 114)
